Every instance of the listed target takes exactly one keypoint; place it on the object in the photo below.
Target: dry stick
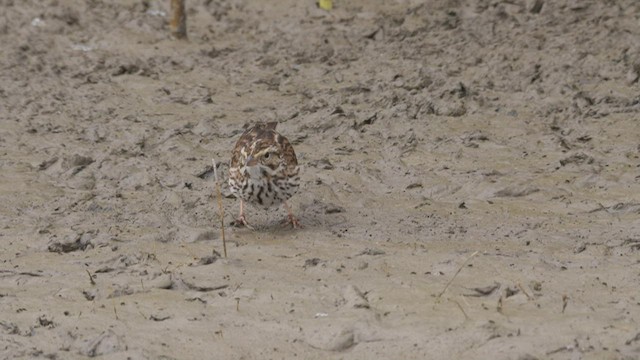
(524, 291)
(91, 278)
(461, 308)
(456, 274)
(565, 301)
(221, 209)
(178, 23)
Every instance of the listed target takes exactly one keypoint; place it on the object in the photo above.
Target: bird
(264, 171)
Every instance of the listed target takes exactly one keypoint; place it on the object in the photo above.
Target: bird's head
(267, 156)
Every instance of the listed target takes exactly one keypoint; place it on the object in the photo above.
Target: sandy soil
(471, 180)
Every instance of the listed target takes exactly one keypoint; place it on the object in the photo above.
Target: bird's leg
(241, 220)
(292, 219)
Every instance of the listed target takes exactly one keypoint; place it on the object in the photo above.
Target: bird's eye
(267, 155)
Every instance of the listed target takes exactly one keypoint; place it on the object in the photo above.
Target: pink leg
(292, 219)
(241, 220)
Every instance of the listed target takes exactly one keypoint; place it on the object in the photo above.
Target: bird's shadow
(313, 215)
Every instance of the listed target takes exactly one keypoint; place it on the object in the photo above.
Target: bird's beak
(251, 161)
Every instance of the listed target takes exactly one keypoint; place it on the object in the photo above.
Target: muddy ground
(470, 188)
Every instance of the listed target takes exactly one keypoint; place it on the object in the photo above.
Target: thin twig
(524, 291)
(220, 207)
(91, 278)
(461, 308)
(178, 23)
(456, 274)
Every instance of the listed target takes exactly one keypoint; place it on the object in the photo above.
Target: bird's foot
(293, 221)
(242, 221)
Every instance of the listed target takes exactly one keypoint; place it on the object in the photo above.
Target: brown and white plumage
(264, 169)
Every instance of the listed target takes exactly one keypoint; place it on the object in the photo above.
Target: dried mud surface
(497, 139)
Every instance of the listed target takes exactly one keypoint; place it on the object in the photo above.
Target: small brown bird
(264, 170)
